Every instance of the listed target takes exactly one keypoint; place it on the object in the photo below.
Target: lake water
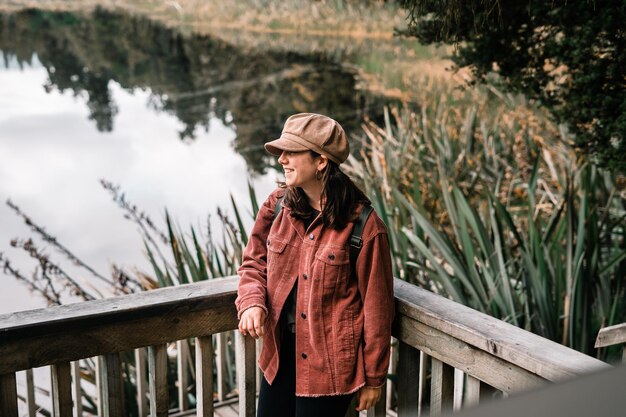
(177, 121)
(52, 158)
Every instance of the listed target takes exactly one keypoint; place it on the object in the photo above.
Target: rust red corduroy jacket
(343, 326)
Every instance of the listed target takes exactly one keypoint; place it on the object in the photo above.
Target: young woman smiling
(325, 323)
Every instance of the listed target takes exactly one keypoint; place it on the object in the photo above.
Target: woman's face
(300, 168)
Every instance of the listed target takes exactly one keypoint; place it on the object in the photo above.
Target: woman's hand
(252, 320)
(368, 397)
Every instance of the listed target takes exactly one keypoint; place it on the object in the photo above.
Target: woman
(326, 328)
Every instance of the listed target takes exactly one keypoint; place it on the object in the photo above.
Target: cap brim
(277, 146)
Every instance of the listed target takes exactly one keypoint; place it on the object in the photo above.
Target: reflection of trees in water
(70, 75)
(196, 78)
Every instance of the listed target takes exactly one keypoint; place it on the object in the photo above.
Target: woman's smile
(299, 168)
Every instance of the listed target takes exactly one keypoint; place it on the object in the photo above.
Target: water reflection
(195, 78)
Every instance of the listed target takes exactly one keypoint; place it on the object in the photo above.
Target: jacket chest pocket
(275, 255)
(331, 265)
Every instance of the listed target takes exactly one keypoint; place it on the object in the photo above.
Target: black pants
(279, 399)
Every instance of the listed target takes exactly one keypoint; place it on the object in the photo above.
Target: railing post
(246, 374)
(78, 404)
(424, 362)
(259, 372)
(8, 395)
(472, 391)
(112, 390)
(442, 387)
(142, 382)
(204, 376)
(61, 389)
(459, 386)
(408, 376)
(100, 403)
(157, 369)
(182, 362)
(30, 394)
(393, 366)
(221, 363)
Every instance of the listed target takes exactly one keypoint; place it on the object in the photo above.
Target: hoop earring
(318, 175)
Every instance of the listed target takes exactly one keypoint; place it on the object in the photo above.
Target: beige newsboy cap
(319, 133)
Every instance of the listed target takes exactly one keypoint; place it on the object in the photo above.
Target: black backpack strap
(356, 240)
(279, 205)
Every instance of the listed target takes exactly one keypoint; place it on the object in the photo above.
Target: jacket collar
(297, 224)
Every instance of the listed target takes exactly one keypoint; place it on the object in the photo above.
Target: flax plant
(488, 205)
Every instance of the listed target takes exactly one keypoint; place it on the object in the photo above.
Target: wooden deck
(228, 408)
(445, 356)
(231, 409)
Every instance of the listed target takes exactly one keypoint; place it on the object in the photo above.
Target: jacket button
(305, 276)
(311, 236)
(331, 257)
(304, 355)
(303, 315)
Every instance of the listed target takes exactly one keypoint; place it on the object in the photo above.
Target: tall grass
(488, 205)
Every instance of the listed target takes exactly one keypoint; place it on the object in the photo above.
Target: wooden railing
(469, 353)
(613, 335)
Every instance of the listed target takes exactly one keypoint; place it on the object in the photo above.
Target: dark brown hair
(340, 195)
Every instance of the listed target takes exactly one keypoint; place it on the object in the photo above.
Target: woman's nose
(282, 159)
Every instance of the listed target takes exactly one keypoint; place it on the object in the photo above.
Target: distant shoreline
(393, 66)
(327, 18)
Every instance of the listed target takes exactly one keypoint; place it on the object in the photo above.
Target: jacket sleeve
(251, 291)
(375, 282)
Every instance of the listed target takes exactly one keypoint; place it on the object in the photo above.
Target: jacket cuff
(247, 306)
(375, 382)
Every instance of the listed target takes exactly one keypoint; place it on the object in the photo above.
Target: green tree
(570, 55)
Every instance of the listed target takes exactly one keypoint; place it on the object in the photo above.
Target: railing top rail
(527, 350)
(194, 296)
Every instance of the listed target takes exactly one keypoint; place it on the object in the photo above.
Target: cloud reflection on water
(52, 157)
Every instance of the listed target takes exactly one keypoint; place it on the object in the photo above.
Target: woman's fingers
(251, 322)
(367, 398)
(251, 328)
(258, 325)
(362, 401)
